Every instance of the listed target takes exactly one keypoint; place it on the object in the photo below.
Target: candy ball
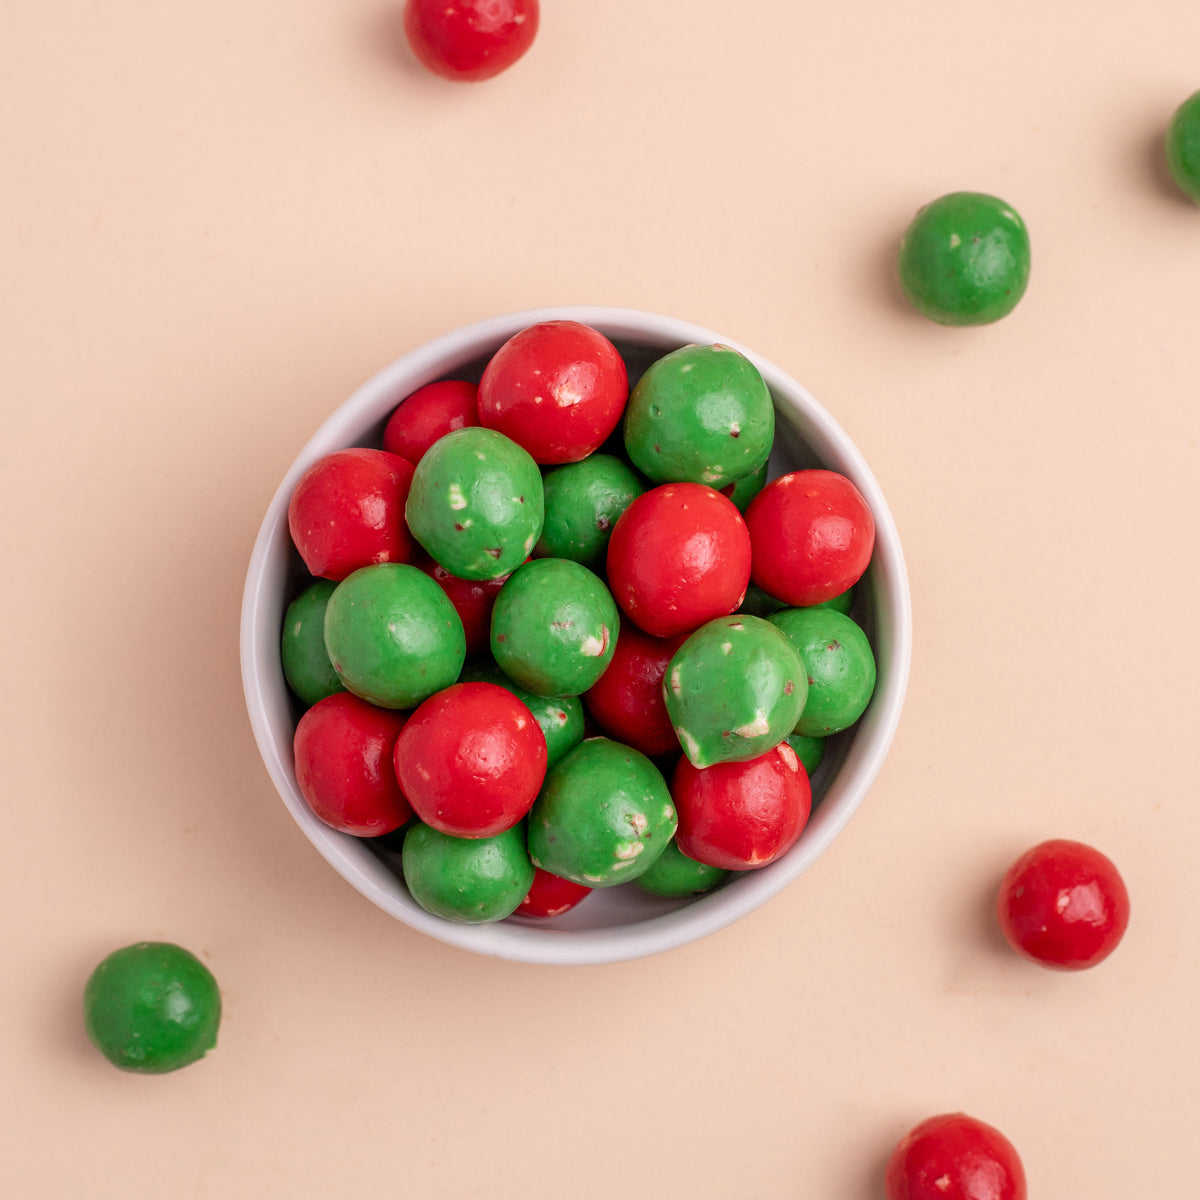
(468, 880)
(964, 260)
(700, 414)
(673, 875)
(551, 896)
(306, 665)
(470, 40)
(428, 414)
(472, 599)
(1183, 146)
(393, 636)
(809, 750)
(733, 690)
(604, 815)
(583, 502)
(152, 1007)
(742, 491)
(476, 503)
(954, 1157)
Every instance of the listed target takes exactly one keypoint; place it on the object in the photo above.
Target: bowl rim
(525, 941)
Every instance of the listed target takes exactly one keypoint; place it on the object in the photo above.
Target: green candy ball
(809, 750)
(476, 503)
(964, 260)
(1183, 146)
(306, 665)
(603, 816)
(843, 602)
(748, 486)
(152, 1007)
(701, 414)
(393, 636)
(757, 603)
(734, 690)
(674, 875)
(554, 627)
(560, 718)
(583, 501)
(467, 880)
(840, 666)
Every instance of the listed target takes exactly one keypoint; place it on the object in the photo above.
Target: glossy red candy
(429, 413)
(473, 600)
(679, 555)
(742, 815)
(343, 748)
(813, 535)
(471, 760)
(1063, 904)
(347, 512)
(558, 389)
(627, 700)
(551, 895)
(470, 40)
(955, 1157)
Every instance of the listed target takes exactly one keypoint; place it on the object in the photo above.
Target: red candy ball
(429, 413)
(470, 40)
(558, 389)
(742, 815)
(812, 534)
(471, 760)
(551, 895)
(473, 600)
(1064, 905)
(955, 1157)
(347, 512)
(679, 555)
(627, 700)
(343, 748)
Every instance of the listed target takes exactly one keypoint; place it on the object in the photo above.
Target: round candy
(678, 556)
(627, 700)
(1064, 905)
(467, 880)
(812, 535)
(430, 413)
(554, 627)
(393, 636)
(470, 40)
(809, 750)
(839, 664)
(1183, 146)
(472, 599)
(734, 690)
(583, 501)
(964, 260)
(471, 760)
(673, 875)
(742, 491)
(742, 815)
(551, 896)
(152, 1007)
(604, 815)
(343, 750)
(757, 603)
(954, 1157)
(557, 388)
(347, 512)
(561, 718)
(476, 503)
(306, 665)
(701, 414)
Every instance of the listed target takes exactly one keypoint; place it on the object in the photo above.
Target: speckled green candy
(467, 880)
(839, 663)
(393, 636)
(603, 817)
(748, 486)
(306, 665)
(809, 750)
(476, 503)
(152, 1007)
(583, 501)
(964, 259)
(734, 690)
(701, 414)
(559, 717)
(554, 627)
(674, 875)
(1183, 146)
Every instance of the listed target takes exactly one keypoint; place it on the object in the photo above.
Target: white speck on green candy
(479, 454)
(594, 878)
(755, 728)
(593, 647)
(639, 823)
(529, 544)
(676, 684)
(691, 747)
(457, 499)
(628, 851)
(726, 647)
(710, 475)
(955, 241)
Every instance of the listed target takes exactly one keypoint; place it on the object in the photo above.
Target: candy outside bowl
(612, 924)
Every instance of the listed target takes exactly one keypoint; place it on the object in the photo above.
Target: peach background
(220, 218)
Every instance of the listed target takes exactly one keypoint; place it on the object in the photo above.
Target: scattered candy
(1183, 146)
(470, 40)
(955, 1157)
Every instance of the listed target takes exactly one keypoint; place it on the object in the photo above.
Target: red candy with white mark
(343, 749)
(550, 895)
(679, 555)
(955, 1157)
(429, 413)
(470, 40)
(473, 600)
(471, 760)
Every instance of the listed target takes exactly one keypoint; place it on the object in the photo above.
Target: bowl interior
(614, 923)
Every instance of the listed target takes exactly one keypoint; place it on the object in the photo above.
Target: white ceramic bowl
(616, 923)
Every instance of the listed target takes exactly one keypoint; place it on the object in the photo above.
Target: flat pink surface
(219, 219)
